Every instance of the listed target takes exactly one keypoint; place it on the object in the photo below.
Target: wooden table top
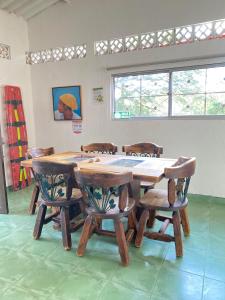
(143, 168)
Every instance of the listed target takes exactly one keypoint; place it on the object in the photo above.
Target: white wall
(13, 32)
(87, 21)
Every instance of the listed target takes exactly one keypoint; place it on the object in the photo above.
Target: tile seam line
(156, 279)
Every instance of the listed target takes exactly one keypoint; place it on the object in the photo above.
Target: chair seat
(147, 185)
(158, 199)
(115, 212)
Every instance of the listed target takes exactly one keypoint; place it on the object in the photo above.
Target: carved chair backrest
(143, 149)
(101, 190)
(107, 148)
(55, 180)
(39, 152)
(179, 177)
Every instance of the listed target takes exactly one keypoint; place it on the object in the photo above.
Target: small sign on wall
(98, 94)
(77, 126)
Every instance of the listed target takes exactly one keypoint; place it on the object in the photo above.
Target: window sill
(219, 117)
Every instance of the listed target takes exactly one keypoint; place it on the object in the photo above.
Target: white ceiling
(27, 8)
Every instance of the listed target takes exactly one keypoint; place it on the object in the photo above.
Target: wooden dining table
(143, 168)
(149, 169)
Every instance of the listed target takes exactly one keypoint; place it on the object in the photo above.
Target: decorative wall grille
(219, 28)
(163, 38)
(116, 46)
(148, 40)
(56, 54)
(46, 55)
(101, 47)
(5, 51)
(131, 42)
(80, 51)
(204, 31)
(184, 35)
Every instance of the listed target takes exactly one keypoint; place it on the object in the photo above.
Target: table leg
(135, 190)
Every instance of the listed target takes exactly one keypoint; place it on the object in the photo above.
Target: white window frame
(170, 101)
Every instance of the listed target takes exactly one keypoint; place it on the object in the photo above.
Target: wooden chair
(106, 148)
(107, 196)
(34, 153)
(144, 150)
(56, 182)
(39, 152)
(174, 199)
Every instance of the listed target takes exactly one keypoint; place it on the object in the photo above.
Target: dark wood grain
(185, 221)
(65, 227)
(48, 173)
(108, 148)
(174, 200)
(39, 152)
(143, 149)
(177, 234)
(113, 186)
(34, 153)
(85, 235)
(40, 220)
(151, 170)
(121, 240)
(146, 150)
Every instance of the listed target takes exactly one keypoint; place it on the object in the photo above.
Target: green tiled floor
(41, 269)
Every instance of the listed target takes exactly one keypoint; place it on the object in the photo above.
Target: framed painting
(67, 103)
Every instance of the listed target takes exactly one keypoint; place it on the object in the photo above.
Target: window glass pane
(215, 80)
(189, 81)
(154, 106)
(188, 105)
(127, 86)
(215, 104)
(194, 92)
(140, 95)
(155, 84)
(127, 107)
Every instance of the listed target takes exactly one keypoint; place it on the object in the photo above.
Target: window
(172, 93)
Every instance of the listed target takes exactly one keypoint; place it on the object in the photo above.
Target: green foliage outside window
(193, 92)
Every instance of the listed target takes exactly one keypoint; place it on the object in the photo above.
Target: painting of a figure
(67, 103)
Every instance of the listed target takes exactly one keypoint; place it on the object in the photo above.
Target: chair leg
(39, 221)
(146, 189)
(98, 223)
(95, 226)
(132, 221)
(84, 236)
(34, 199)
(82, 206)
(151, 220)
(177, 233)
(185, 221)
(121, 240)
(65, 227)
(141, 228)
